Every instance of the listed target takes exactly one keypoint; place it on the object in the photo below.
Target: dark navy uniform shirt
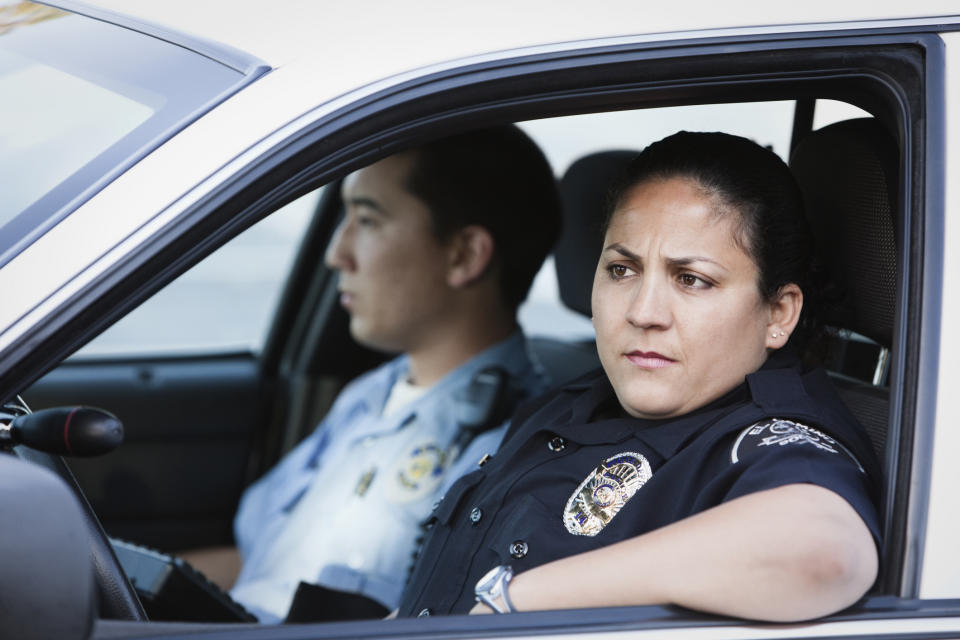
(576, 473)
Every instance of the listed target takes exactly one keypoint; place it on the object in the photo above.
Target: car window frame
(336, 143)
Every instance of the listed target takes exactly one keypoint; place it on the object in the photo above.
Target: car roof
(420, 33)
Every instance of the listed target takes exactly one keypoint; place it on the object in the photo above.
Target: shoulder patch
(777, 432)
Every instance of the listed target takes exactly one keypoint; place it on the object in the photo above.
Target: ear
(471, 252)
(784, 315)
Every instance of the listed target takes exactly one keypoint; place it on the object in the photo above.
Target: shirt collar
(510, 354)
(587, 424)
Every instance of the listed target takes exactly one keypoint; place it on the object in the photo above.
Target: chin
(640, 406)
(366, 336)
(651, 412)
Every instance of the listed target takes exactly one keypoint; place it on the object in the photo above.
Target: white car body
(324, 58)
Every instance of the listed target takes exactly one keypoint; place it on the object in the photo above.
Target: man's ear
(471, 252)
(784, 315)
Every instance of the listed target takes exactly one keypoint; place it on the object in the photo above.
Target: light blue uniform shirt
(343, 509)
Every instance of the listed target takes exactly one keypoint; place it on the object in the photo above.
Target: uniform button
(424, 613)
(518, 549)
(557, 444)
(476, 515)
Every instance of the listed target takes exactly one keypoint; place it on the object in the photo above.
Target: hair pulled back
(753, 183)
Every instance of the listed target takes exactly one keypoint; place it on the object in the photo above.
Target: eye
(618, 271)
(692, 281)
(366, 220)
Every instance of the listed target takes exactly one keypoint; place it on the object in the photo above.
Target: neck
(451, 346)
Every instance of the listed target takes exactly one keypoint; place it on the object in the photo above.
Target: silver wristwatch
(491, 589)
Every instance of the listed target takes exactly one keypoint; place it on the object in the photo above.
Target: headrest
(848, 175)
(583, 190)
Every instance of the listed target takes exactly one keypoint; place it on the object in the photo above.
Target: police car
(169, 184)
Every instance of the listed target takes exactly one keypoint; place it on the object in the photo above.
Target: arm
(791, 553)
(221, 565)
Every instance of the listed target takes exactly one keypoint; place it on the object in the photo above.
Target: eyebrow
(676, 262)
(363, 201)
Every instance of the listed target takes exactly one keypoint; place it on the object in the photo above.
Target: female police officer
(703, 466)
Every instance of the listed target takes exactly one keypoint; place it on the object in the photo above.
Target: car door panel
(189, 430)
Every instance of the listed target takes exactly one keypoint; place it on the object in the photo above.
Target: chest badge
(601, 496)
(418, 475)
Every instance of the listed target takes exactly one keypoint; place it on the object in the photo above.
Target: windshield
(80, 99)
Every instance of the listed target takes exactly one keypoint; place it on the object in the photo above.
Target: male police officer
(438, 247)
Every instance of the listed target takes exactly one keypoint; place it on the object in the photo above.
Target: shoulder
(809, 398)
(779, 435)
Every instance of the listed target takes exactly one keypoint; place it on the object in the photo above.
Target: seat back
(583, 192)
(848, 175)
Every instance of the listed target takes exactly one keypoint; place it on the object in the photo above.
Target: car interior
(201, 426)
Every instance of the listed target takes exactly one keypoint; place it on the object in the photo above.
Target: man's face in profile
(392, 267)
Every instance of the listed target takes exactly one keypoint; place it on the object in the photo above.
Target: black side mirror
(67, 431)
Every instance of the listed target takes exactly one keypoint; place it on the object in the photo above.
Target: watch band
(493, 586)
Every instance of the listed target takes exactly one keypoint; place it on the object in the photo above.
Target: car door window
(224, 304)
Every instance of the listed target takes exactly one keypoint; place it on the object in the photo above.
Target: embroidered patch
(777, 432)
(418, 474)
(601, 496)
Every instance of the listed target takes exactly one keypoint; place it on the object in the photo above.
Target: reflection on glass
(51, 125)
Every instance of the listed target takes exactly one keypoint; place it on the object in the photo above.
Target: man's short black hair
(496, 178)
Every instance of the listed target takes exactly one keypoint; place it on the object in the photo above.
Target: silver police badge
(601, 496)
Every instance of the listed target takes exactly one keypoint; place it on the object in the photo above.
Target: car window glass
(223, 304)
(74, 114)
(829, 111)
(566, 139)
(55, 137)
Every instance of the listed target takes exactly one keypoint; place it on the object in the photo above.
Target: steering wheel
(118, 598)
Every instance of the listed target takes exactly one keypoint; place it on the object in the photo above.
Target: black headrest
(848, 175)
(583, 190)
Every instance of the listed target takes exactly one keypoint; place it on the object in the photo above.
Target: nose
(339, 254)
(650, 306)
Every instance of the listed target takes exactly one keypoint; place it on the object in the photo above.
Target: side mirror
(47, 571)
(66, 431)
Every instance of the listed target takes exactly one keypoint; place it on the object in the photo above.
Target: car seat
(583, 192)
(847, 172)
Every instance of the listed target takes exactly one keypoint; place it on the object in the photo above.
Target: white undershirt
(403, 393)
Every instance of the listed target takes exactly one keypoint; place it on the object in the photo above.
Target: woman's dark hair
(499, 179)
(754, 184)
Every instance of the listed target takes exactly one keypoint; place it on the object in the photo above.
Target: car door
(186, 374)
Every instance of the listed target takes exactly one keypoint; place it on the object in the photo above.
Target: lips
(346, 300)
(649, 359)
